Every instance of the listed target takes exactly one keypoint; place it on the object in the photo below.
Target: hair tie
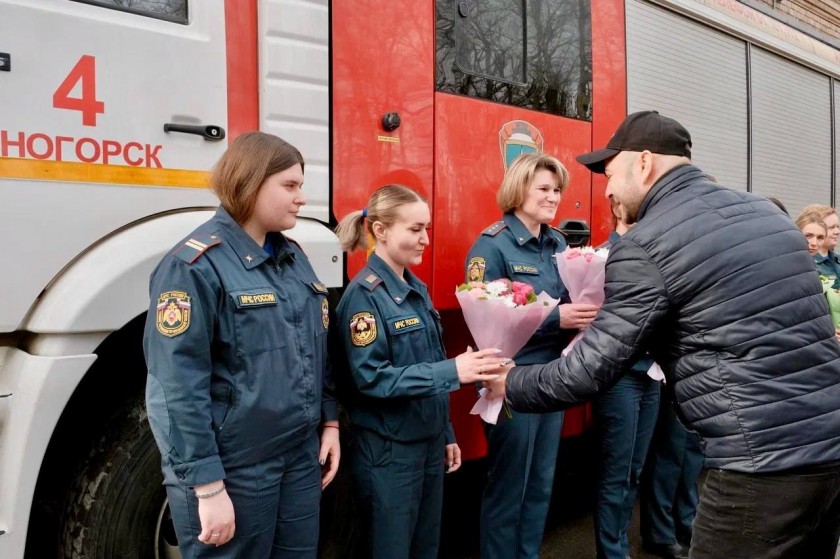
(364, 213)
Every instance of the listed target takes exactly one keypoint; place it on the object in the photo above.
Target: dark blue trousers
(669, 492)
(522, 457)
(276, 504)
(400, 494)
(626, 416)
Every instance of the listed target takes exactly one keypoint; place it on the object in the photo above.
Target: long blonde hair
(382, 206)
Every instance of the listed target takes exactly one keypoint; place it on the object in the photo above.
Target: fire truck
(113, 112)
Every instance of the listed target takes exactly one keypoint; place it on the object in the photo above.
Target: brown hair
(249, 160)
(519, 175)
(382, 206)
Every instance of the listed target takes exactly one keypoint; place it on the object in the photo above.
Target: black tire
(114, 506)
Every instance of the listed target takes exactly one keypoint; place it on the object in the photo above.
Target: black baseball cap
(645, 130)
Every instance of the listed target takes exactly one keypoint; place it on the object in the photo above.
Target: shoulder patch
(362, 329)
(196, 246)
(475, 269)
(173, 313)
(325, 313)
(371, 281)
(495, 229)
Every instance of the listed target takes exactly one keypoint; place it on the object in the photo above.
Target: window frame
(139, 12)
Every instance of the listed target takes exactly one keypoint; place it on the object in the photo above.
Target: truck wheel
(116, 507)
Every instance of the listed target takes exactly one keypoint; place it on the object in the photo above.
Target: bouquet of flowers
(583, 271)
(833, 296)
(504, 315)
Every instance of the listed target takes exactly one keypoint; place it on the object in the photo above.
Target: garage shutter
(791, 127)
(696, 75)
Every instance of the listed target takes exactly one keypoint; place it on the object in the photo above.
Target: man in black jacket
(719, 287)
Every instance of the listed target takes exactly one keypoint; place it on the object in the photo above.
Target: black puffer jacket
(718, 285)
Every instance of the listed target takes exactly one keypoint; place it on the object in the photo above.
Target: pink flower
(571, 253)
(520, 297)
(519, 287)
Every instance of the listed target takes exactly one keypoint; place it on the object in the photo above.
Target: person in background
(626, 416)
(669, 486)
(238, 392)
(815, 231)
(826, 260)
(400, 379)
(523, 449)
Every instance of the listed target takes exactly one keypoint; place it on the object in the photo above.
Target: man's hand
(496, 387)
(575, 316)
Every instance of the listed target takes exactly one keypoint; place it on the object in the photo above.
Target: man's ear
(646, 167)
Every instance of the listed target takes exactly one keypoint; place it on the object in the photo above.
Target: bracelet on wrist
(332, 426)
(210, 493)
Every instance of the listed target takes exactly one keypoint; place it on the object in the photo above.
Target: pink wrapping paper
(493, 324)
(582, 272)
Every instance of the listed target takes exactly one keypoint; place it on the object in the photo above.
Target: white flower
(495, 288)
(602, 252)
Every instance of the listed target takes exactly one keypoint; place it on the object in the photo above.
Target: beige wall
(823, 15)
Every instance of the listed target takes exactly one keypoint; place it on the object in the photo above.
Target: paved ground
(569, 532)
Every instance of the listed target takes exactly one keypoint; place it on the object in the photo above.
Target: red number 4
(84, 71)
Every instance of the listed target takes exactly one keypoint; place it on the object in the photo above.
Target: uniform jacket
(392, 337)
(829, 266)
(235, 344)
(507, 249)
(718, 285)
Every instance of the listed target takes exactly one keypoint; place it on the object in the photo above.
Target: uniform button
(182, 476)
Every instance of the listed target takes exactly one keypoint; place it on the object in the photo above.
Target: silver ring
(215, 535)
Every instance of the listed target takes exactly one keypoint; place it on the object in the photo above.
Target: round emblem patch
(173, 313)
(475, 269)
(362, 329)
(325, 313)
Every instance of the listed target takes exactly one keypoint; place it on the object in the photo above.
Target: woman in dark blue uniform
(523, 450)
(238, 390)
(399, 403)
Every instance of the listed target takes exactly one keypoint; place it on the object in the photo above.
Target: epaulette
(196, 246)
(562, 233)
(371, 281)
(494, 229)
